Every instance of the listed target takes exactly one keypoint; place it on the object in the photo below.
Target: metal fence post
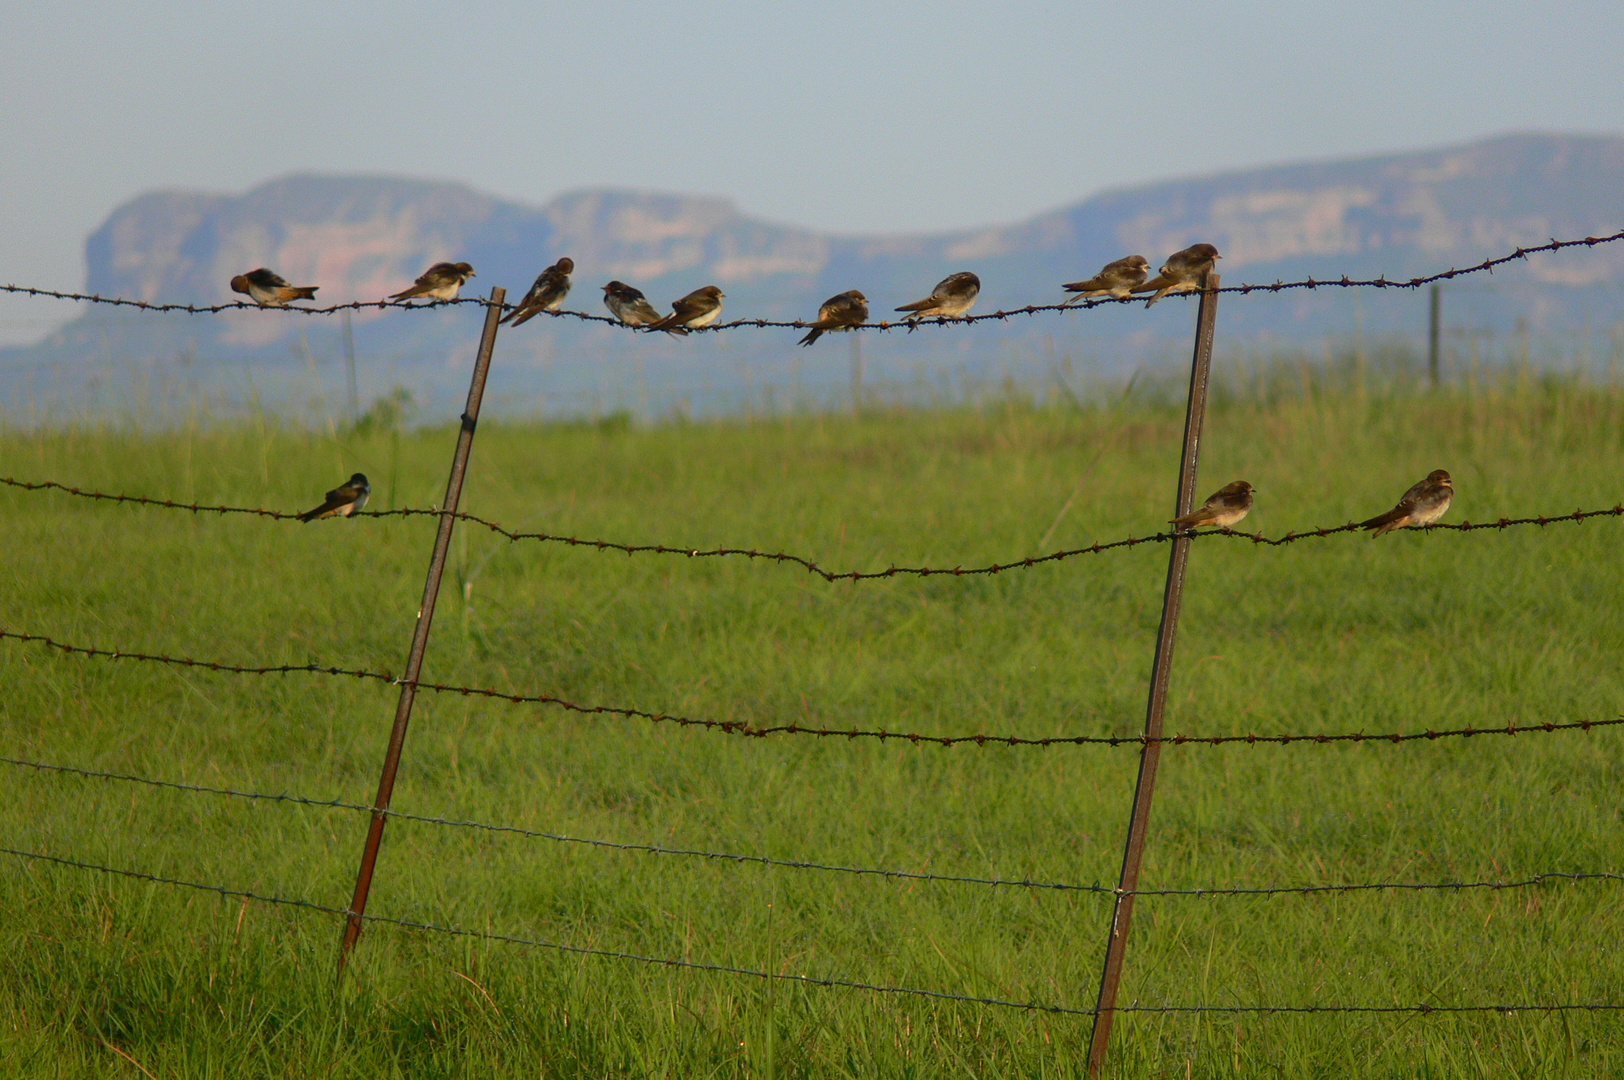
(1160, 671)
(1433, 329)
(420, 635)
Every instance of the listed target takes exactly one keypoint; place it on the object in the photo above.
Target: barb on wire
(797, 864)
(741, 727)
(807, 564)
(805, 980)
(1486, 266)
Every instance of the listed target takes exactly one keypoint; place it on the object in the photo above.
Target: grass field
(105, 976)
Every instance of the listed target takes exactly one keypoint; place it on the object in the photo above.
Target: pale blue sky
(848, 117)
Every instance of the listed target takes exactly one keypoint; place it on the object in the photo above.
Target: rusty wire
(804, 980)
(799, 864)
(809, 565)
(1486, 266)
(740, 727)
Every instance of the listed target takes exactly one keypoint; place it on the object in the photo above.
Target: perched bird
(343, 500)
(1116, 279)
(548, 291)
(1182, 272)
(439, 282)
(953, 296)
(840, 312)
(1222, 509)
(269, 290)
(629, 305)
(698, 308)
(1422, 505)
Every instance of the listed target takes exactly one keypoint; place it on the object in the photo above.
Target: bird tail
(811, 337)
(1159, 294)
(304, 292)
(669, 325)
(310, 515)
(407, 294)
(918, 305)
(1383, 523)
(521, 315)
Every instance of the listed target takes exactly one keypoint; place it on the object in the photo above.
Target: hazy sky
(847, 117)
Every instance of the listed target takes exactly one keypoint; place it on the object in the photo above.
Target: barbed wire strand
(812, 567)
(797, 864)
(804, 980)
(1345, 281)
(741, 727)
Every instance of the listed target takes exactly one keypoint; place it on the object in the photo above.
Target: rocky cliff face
(361, 238)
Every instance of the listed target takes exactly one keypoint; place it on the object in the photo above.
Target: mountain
(360, 238)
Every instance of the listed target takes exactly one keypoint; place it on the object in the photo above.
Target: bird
(1116, 279)
(1182, 272)
(1422, 505)
(548, 291)
(342, 501)
(268, 289)
(629, 305)
(841, 312)
(698, 308)
(439, 282)
(1222, 509)
(953, 296)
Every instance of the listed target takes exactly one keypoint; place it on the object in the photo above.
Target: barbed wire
(804, 980)
(744, 728)
(812, 567)
(798, 864)
(1345, 281)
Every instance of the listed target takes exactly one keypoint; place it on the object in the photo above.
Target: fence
(1149, 743)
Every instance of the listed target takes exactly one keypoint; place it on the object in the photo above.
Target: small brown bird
(699, 308)
(953, 296)
(269, 290)
(1422, 505)
(548, 291)
(342, 501)
(840, 312)
(439, 282)
(1182, 272)
(1116, 279)
(1222, 509)
(629, 305)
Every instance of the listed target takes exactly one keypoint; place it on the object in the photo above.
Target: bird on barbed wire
(952, 297)
(841, 312)
(1421, 505)
(1182, 272)
(1223, 508)
(546, 293)
(342, 501)
(1116, 279)
(629, 305)
(442, 281)
(268, 289)
(699, 308)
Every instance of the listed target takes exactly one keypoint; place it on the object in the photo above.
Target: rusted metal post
(1160, 671)
(420, 636)
(1433, 330)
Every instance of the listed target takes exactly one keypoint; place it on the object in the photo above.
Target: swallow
(1422, 505)
(840, 312)
(269, 290)
(548, 291)
(953, 296)
(629, 305)
(439, 282)
(1116, 279)
(1182, 272)
(1222, 509)
(342, 501)
(698, 308)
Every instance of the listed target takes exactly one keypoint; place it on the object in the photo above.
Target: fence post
(1433, 303)
(1161, 669)
(420, 635)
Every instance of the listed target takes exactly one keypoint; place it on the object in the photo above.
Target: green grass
(107, 976)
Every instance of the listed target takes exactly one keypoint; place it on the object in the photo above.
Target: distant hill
(360, 238)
